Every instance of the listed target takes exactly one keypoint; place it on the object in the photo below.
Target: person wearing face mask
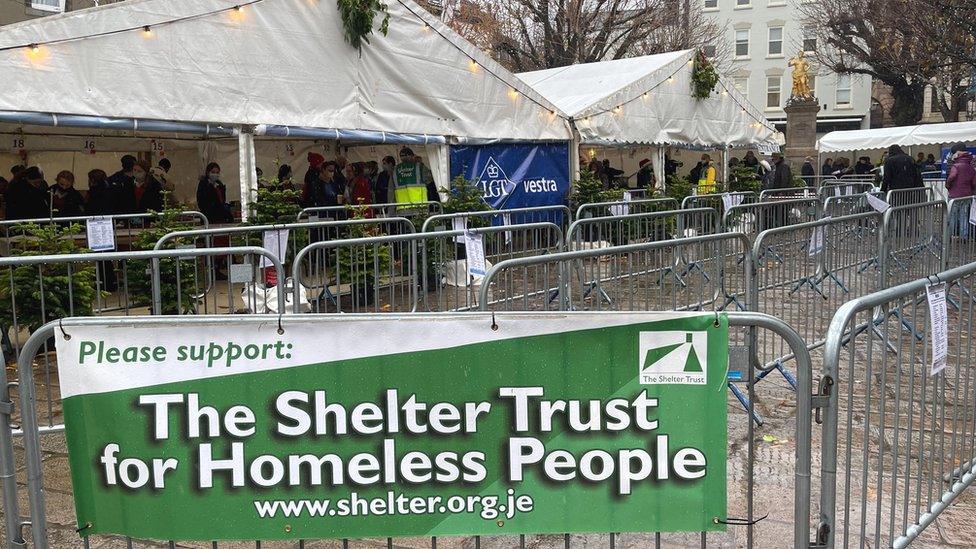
(66, 201)
(383, 187)
(359, 191)
(212, 196)
(143, 194)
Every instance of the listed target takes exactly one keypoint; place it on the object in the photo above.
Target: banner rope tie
(735, 521)
(83, 528)
(61, 326)
(494, 325)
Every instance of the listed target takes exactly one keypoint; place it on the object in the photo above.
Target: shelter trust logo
(673, 358)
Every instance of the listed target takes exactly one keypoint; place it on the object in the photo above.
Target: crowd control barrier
(845, 187)
(597, 232)
(126, 228)
(899, 434)
(752, 219)
(719, 201)
(786, 194)
(387, 209)
(30, 524)
(426, 271)
(625, 207)
(559, 215)
(916, 195)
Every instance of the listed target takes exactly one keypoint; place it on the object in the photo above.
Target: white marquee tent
(218, 73)
(647, 101)
(906, 136)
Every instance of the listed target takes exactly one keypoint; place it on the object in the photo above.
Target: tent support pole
(725, 165)
(249, 176)
(574, 155)
(659, 171)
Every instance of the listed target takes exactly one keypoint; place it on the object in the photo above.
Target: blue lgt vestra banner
(516, 175)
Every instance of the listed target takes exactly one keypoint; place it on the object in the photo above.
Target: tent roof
(275, 62)
(653, 93)
(882, 138)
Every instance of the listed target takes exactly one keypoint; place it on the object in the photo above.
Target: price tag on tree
(276, 242)
(474, 251)
(880, 205)
(938, 325)
(101, 234)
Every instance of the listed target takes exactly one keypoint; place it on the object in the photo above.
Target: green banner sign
(397, 425)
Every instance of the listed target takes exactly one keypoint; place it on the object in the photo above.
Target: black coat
(900, 172)
(780, 177)
(808, 173)
(24, 201)
(70, 203)
(101, 200)
(210, 203)
(152, 197)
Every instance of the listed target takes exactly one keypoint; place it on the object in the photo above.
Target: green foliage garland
(704, 77)
(140, 275)
(358, 17)
(589, 189)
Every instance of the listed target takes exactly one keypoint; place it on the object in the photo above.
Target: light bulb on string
(34, 48)
(147, 31)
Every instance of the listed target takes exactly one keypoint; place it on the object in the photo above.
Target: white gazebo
(255, 82)
(647, 102)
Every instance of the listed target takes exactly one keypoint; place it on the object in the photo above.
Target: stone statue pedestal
(801, 131)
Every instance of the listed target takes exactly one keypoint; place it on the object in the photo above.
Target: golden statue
(801, 77)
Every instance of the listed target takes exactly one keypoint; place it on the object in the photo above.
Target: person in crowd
(808, 173)
(734, 162)
(596, 168)
(284, 178)
(372, 172)
(696, 172)
(315, 161)
(328, 191)
(613, 174)
(27, 195)
(359, 191)
(123, 178)
(779, 176)
(706, 175)
(827, 168)
(383, 188)
(900, 172)
(143, 194)
(863, 166)
(645, 174)
(670, 165)
(340, 173)
(920, 160)
(66, 201)
(751, 161)
(212, 196)
(842, 167)
(14, 170)
(428, 178)
(408, 180)
(101, 197)
(931, 169)
(960, 183)
(160, 173)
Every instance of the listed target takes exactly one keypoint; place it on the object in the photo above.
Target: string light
(147, 31)
(34, 48)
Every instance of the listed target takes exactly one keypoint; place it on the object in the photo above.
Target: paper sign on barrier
(938, 325)
(276, 242)
(818, 239)
(101, 234)
(879, 205)
(459, 224)
(474, 251)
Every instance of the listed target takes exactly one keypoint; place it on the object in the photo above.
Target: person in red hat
(315, 161)
(645, 174)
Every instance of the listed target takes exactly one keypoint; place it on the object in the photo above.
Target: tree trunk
(909, 98)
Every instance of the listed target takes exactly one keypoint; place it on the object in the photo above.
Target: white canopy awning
(647, 100)
(273, 62)
(906, 136)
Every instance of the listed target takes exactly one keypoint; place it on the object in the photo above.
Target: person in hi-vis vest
(408, 181)
(706, 178)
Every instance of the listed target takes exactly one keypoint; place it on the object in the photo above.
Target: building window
(775, 40)
(813, 84)
(809, 40)
(843, 90)
(709, 50)
(711, 4)
(774, 86)
(742, 84)
(742, 43)
(743, 3)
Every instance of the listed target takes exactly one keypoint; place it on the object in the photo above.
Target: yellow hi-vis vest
(706, 183)
(409, 186)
